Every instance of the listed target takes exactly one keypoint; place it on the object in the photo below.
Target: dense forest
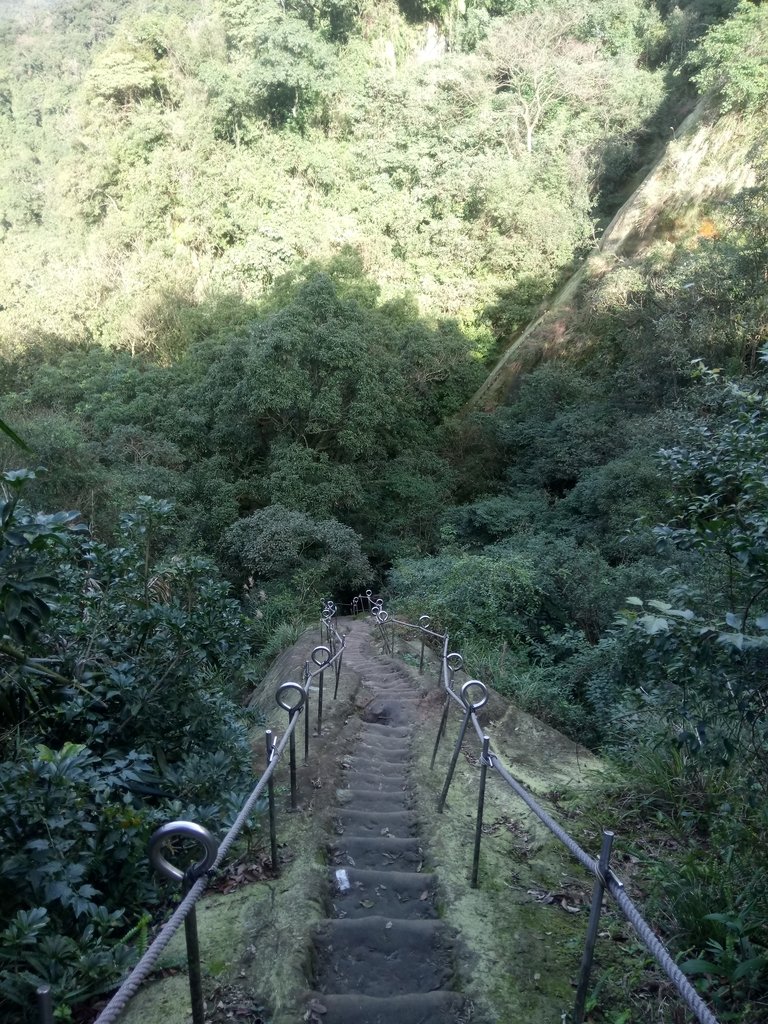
(255, 260)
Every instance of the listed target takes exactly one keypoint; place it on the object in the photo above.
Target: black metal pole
(337, 669)
(454, 759)
(292, 749)
(44, 1004)
(441, 730)
(421, 656)
(307, 687)
(594, 923)
(271, 800)
(193, 957)
(480, 808)
(320, 702)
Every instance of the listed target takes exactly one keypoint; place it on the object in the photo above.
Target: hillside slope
(710, 158)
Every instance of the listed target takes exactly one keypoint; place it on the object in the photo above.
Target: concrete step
(374, 754)
(373, 800)
(375, 780)
(375, 823)
(400, 732)
(385, 744)
(390, 894)
(425, 1008)
(380, 956)
(357, 765)
(378, 853)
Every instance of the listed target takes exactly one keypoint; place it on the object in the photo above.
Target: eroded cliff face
(709, 158)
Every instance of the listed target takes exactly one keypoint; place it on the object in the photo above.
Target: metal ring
(369, 594)
(185, 830)
(382, 616)
(325, 661)
(290, 687)
(474, 705)
(424, 621)
(455, 661)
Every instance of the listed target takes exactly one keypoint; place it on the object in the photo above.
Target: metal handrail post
(44, 1004)
(193, 955)
(592, 926)
(471, 707)
(480, 807)
(424, 621)
(292, 758)
(306, 711)
(320, 702)
(337, 670)
(188, 879)
(440, 730)
(271, 804)
(454, 759)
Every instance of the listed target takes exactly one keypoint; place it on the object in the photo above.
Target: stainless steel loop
(455, 662)
(181, 830)
(290, 688)
(324, 660)
(424, 621)
(381, 615)
(465, 700)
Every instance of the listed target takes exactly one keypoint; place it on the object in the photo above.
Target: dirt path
(383, 955)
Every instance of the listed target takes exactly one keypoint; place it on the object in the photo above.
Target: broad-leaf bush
(121, 672)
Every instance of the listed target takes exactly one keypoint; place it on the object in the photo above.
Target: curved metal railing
(606, 879)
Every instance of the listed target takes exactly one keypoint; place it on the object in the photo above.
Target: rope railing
(473, 696)
(295, 698)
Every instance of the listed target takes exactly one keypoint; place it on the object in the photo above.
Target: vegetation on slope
(254, 258)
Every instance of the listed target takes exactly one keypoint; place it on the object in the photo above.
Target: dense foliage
(120, 677)
(255, 258)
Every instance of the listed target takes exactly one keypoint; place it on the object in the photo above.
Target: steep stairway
(384, 956)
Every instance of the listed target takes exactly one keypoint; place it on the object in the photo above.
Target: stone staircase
(383, 956)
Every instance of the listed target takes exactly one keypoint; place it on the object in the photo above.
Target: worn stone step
(373, 799)
(384, 690)
(380, 956)
(401, 732)
(376, 754)
(375, 822)
(385, 744)
(379, 853)
(415, 1008)
(375, 780)
(355, 765)
(391, 710)
(390, 894)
